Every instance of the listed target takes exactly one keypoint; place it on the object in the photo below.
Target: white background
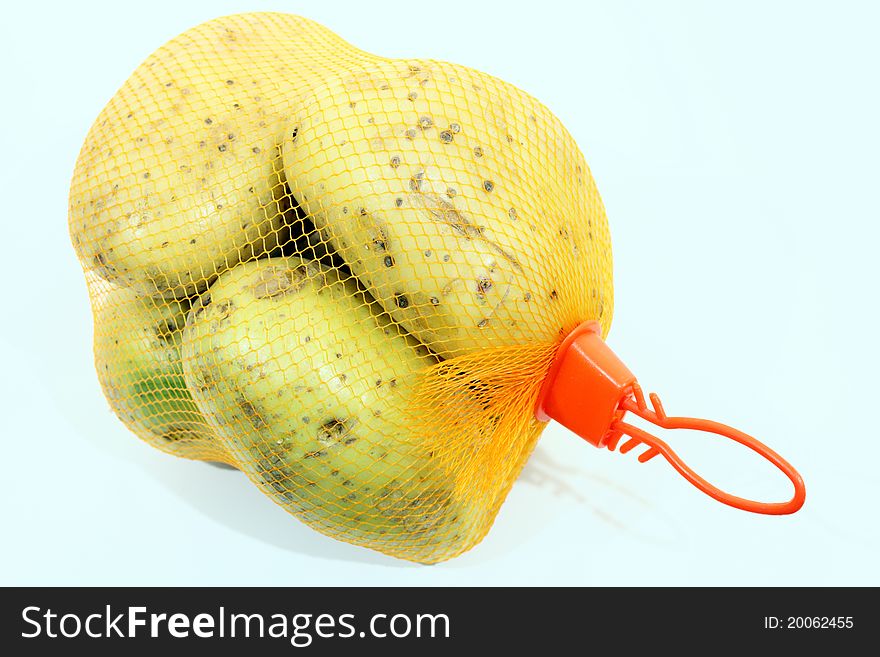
(736, 146)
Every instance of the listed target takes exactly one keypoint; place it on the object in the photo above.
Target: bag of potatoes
(345, 275)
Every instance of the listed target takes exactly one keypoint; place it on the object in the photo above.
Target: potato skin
(180, 176)
(460, 202)
(487, 204)
(455, 216)
(305, 380)
(137, 357)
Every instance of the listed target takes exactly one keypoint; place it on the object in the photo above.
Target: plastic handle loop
(589, 390)
(658, 417)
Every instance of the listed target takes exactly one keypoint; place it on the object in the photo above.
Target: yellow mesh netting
(345, 275)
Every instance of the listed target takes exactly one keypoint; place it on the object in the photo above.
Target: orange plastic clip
(589, 390)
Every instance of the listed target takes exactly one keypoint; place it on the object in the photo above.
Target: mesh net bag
(344, 275)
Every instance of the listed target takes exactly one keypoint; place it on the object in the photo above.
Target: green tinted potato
(137, 356)
(306, 380)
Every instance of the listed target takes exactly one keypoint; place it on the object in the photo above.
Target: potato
(137, 356)
(382, 390)
(305, 380)
(460, 202)
(180, 176)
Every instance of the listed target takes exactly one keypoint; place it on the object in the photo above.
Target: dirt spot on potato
(107, 271)
(277, 282)
(336, 432)
(250, 412)
(442, 211)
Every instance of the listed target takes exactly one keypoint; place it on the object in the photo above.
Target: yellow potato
(460, 202)
(180, 176)
(458, 237)
(305, 381)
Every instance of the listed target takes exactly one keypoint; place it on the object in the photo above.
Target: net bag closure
(589, 390)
